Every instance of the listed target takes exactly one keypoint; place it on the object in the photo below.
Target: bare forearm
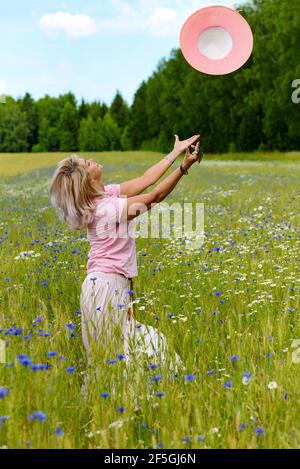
(159, 169)
(167, 185)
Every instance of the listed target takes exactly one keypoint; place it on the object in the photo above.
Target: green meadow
(230, 309)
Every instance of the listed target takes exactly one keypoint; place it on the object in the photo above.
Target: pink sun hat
(216, 40)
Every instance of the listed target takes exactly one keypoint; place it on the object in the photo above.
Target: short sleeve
(109, 213)
(113, 189)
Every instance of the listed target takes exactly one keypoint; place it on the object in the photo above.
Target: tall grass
(231, 311)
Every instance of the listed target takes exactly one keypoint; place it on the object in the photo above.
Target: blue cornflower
(59, 431)
(155, 378)
(170, 315)
(217, 293)
(160, 394)
(234, 358)
(228, 384)
(70, 326)
(120, 409)
(189, 377)
(157, 318)
(186, 439)
(70, 369)
(120, 356)
(268, 355)
(3, 418)
(111, 362)
(129, 292)
(51, 354)
(259, 431)
(242, 427)
(217, 248)
(104, 394)
(210, 372)
(4, 391)
(144, 426)
(153, 367)
(24, 360)
(38, 415)
(200, 439)
(38, 366)
(7, 279)
(285, 396)
(199, 340)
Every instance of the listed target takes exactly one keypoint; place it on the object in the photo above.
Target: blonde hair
(73, 192)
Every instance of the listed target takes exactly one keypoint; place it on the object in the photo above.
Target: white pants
(104, 301)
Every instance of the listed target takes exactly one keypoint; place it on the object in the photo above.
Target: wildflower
(200, 439)
(234, 358)
(246, 377)
(228, 384)
(111, 362)
(242, 427)
(186, 439)
(272, 385)
(104, 394)
(153, 367)
(189, 377)
(155, 378)
(285, 396)
(38, 415)
(4, 391)
(24, 360)
(70, 369)
(160, 394)
(38, 366)
(70, 326)
(268, 355)
(120, 409)
(217, 293)
(210, 372)
(259, 431)
(51, 354)
(59, 431)
(144, 426)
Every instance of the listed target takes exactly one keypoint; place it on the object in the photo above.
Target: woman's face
(94, 169)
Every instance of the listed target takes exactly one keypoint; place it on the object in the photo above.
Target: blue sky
(90, 47)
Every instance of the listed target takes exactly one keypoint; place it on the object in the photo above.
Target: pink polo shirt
(112, 249)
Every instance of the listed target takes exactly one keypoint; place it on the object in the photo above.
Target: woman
(79, 195)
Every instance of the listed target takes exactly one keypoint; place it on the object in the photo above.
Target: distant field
(18, 163)
(230, 309)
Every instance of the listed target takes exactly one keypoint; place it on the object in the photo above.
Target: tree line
(248, 110)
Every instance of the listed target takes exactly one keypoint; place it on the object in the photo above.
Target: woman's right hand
(189, 158)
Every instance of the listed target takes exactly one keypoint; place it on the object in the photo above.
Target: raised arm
(137, 205)
(136, 186)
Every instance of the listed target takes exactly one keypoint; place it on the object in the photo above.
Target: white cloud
(148, 17)
(77, 25)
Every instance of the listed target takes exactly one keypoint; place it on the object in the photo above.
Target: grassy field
(231, 311)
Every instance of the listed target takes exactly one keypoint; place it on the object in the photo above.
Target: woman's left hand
(180, 147)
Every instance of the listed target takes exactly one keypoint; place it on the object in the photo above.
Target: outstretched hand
(181, 146)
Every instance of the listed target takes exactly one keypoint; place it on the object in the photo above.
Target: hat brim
(211, 17)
